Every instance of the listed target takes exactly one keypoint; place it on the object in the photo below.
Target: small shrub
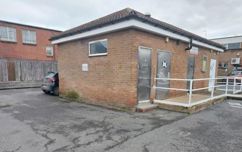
(72, 95)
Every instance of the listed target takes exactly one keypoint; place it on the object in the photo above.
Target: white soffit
(136, 24)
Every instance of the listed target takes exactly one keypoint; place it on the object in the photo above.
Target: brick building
(25, 41)
(114, 60)
(232, 56)
(26, 53)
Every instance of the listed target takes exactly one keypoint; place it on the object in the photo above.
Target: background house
(231, 58)
(114, 60)
(26, 54)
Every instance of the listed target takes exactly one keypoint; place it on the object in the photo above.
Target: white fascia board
(136, 24)
(97, 31)
(207, 46)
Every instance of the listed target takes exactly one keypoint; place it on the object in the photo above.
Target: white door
(212, 73)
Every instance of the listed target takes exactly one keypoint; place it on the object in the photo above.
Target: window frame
(204, 63)
(52, 49)
(7, 39)
(227, 46)
(97, 54)
(30, 43)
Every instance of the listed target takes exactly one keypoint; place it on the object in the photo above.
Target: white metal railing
(230, 86)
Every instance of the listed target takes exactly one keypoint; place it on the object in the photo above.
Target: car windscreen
(50, 75)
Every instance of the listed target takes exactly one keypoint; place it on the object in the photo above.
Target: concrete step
(144, 107)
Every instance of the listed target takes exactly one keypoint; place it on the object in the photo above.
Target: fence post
(234, 86)
(227, 85)
(190, 92)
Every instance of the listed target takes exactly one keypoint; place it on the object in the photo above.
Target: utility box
(235, 61)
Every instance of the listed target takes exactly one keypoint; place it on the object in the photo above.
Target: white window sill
(5, 40)
(27, 43)
(99, 54)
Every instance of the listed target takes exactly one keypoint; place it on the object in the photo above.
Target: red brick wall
(226, 58)
(24, 51)
(112, 79)
(109, 80)
(178, 60)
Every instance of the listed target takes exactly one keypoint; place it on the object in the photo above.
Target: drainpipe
(190, 45)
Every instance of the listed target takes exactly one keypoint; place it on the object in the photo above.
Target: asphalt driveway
(31, 121)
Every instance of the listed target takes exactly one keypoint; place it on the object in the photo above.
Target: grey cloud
(213, 17)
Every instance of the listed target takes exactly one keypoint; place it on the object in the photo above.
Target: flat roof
(31, 26)
(227, 37)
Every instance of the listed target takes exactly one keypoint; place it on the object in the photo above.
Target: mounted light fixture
(167, 39)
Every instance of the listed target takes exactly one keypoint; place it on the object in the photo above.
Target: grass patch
(72, 95)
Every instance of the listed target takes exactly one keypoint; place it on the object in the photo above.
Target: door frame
(137, 58)
(194, 68)
(171, 55)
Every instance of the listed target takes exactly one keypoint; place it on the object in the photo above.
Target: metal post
(240, 84)
(227, 85)
(190, 92)
(213, 84)
(234, 86)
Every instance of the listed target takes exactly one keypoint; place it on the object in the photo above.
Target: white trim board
(136, 24)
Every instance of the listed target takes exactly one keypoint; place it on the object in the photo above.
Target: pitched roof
(128, 13)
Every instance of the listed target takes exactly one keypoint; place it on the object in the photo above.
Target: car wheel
(56, 91)
(46, 92)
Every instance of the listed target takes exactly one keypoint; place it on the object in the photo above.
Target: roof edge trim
(136, 24)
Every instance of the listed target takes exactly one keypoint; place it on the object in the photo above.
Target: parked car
(51, 84)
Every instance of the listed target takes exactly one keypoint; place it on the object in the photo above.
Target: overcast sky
(208, 18)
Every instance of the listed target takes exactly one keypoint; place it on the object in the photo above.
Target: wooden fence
(25, 70)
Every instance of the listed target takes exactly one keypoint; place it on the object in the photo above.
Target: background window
(204, 63)
(49, 51)
(98, 48)
(29, 37)
(7, 34)
(233, 46)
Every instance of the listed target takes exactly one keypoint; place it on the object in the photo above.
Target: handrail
(198, 79)
(226, 86)
(166, 88)
(173, 79)
(179, 89)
